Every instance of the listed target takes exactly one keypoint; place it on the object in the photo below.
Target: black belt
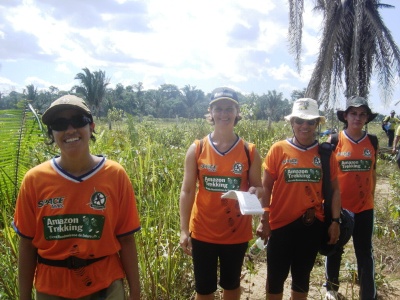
(71, 262)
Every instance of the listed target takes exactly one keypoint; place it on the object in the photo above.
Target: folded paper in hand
(248, 203)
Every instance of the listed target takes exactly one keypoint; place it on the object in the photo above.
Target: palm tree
(355, 44)
(93, 87)
(191, 96)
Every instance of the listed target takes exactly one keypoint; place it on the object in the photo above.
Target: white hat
(307, 109)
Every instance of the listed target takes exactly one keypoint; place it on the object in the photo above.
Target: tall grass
(152, 153)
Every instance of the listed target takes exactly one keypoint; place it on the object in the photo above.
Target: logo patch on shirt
(210, 168)
(98, 201)
(237, 168)
(56, 202)
(367, 152)
(317, 161)
(292, 161)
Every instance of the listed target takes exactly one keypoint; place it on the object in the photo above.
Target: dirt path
(253, 282)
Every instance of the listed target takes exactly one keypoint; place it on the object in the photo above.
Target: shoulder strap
(374, 141)
(246, 149)
(325, 151)
(198, 152)
(334, 140)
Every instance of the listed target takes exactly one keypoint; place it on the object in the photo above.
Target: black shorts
(205, 261)
(293, 248)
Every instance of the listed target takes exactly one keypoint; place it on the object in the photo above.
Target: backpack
(347, 225)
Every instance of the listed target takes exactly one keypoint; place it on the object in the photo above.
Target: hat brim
(322, 119)
(49, 114)
(340, 115)
(223, 98)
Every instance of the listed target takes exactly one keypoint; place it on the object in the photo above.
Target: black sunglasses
(299, 121)
(62, 124)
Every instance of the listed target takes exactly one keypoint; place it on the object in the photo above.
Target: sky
(237, 43)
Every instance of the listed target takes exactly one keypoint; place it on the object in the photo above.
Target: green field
(153, 151)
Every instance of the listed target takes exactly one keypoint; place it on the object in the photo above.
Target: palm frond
(21, 132)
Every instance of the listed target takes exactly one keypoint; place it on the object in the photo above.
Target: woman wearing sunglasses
(76, 217)
(293, 218)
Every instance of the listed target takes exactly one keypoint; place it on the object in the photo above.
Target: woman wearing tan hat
(213, 231)
(76, 224)
(293, 204)
(356, 155)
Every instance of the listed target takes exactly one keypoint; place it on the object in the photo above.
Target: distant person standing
(390, 123)
(394, 150)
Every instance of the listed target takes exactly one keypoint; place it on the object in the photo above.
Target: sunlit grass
(152, 152)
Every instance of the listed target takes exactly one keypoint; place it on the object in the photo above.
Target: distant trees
(191, 97)
(92, 87)
(167, 101)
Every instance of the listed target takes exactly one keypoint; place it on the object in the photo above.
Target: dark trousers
(390, 134)
(362, 241)
(293, 248)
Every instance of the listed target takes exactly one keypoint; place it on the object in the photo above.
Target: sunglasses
(62, 124)
(299, 121)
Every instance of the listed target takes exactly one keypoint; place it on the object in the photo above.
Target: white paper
(248, 203)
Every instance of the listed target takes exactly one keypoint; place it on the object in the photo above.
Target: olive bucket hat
(356, 101)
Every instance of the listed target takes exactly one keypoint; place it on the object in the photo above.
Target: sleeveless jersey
(213, 219)
(356, 162)
(298, 182)
(76, 216)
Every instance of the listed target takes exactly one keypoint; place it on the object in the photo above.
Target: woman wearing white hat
(293, 218)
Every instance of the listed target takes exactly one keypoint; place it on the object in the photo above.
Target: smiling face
(74, 140)
(304, 130)
(224, 112)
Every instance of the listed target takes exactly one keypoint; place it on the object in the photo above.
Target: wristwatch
(337, 220)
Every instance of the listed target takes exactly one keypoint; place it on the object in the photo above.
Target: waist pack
(347, 217)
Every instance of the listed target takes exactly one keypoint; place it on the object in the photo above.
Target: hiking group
(76, 214)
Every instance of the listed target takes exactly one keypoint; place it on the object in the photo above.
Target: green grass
(153, 151)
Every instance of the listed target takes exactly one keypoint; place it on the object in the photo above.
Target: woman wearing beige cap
(76, 225)
(293, 203)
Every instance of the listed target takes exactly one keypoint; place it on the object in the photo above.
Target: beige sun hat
(307, 109)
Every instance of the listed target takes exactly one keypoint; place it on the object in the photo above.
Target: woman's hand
(334, 233)
(186, 243)
(263, 230)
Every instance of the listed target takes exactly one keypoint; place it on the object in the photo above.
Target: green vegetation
(153, 151)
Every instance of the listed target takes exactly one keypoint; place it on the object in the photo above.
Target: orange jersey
(76, 216)
(298, 181)
(356, 162)
(213, 219)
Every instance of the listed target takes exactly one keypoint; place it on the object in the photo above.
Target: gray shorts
(114, 292)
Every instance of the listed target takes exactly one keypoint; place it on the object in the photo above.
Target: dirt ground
(253, 281)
